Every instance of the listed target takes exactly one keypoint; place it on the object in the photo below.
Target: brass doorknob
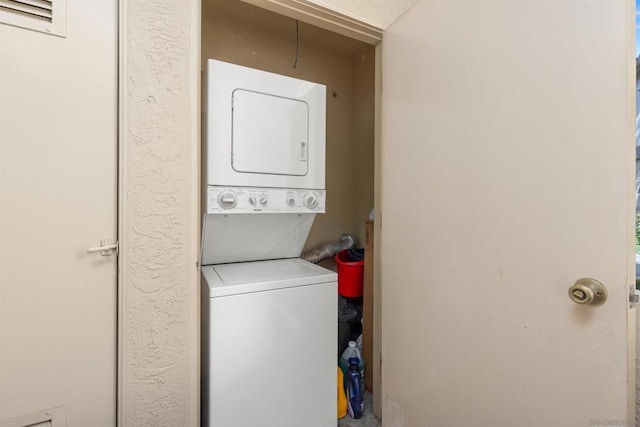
(588, 292)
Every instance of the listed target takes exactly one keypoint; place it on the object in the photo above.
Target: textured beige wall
(237, 32)
(159, 233)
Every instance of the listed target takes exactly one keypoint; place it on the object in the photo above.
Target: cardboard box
(367, 307)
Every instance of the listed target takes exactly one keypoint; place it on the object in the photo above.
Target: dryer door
(270, 134)
(263, 129)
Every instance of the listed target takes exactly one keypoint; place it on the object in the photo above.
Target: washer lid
(257, 276)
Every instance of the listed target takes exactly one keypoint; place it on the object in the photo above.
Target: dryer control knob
(311, 201)
(228, 200)
(264, 200)
(252, 201)
(291, 201)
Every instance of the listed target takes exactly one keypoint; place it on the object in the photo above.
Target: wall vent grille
(47, 16)
(41, 9)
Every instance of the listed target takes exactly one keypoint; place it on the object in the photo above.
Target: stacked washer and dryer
(268, 318)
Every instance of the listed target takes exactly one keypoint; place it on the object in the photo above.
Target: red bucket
(350, 275)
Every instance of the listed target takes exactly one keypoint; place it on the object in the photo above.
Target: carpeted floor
(367, 420)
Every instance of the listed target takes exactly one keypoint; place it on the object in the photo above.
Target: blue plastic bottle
(351, 351)
(355, 398)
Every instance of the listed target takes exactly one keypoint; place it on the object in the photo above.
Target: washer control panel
(228, 200)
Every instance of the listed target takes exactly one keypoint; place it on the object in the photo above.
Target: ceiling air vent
(47, 16)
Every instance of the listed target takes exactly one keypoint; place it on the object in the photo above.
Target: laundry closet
(238, 33)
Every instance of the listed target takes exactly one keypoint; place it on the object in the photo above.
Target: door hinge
(106, 248)
(634, 296)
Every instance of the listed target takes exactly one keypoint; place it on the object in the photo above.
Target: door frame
(632, 314)
(323, 17)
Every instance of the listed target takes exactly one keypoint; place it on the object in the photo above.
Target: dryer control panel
(238, 200)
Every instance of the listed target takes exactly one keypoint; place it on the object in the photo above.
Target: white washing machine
(269, 319)
(269, 350)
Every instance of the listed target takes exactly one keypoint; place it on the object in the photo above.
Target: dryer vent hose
(330, 249)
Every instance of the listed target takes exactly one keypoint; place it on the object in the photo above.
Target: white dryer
(263, 129)
(265, 171)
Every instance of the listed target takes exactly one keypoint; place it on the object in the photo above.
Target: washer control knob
(291, 201)
(311, 201)
(264, 200)
(252, 200)
(228, 200)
